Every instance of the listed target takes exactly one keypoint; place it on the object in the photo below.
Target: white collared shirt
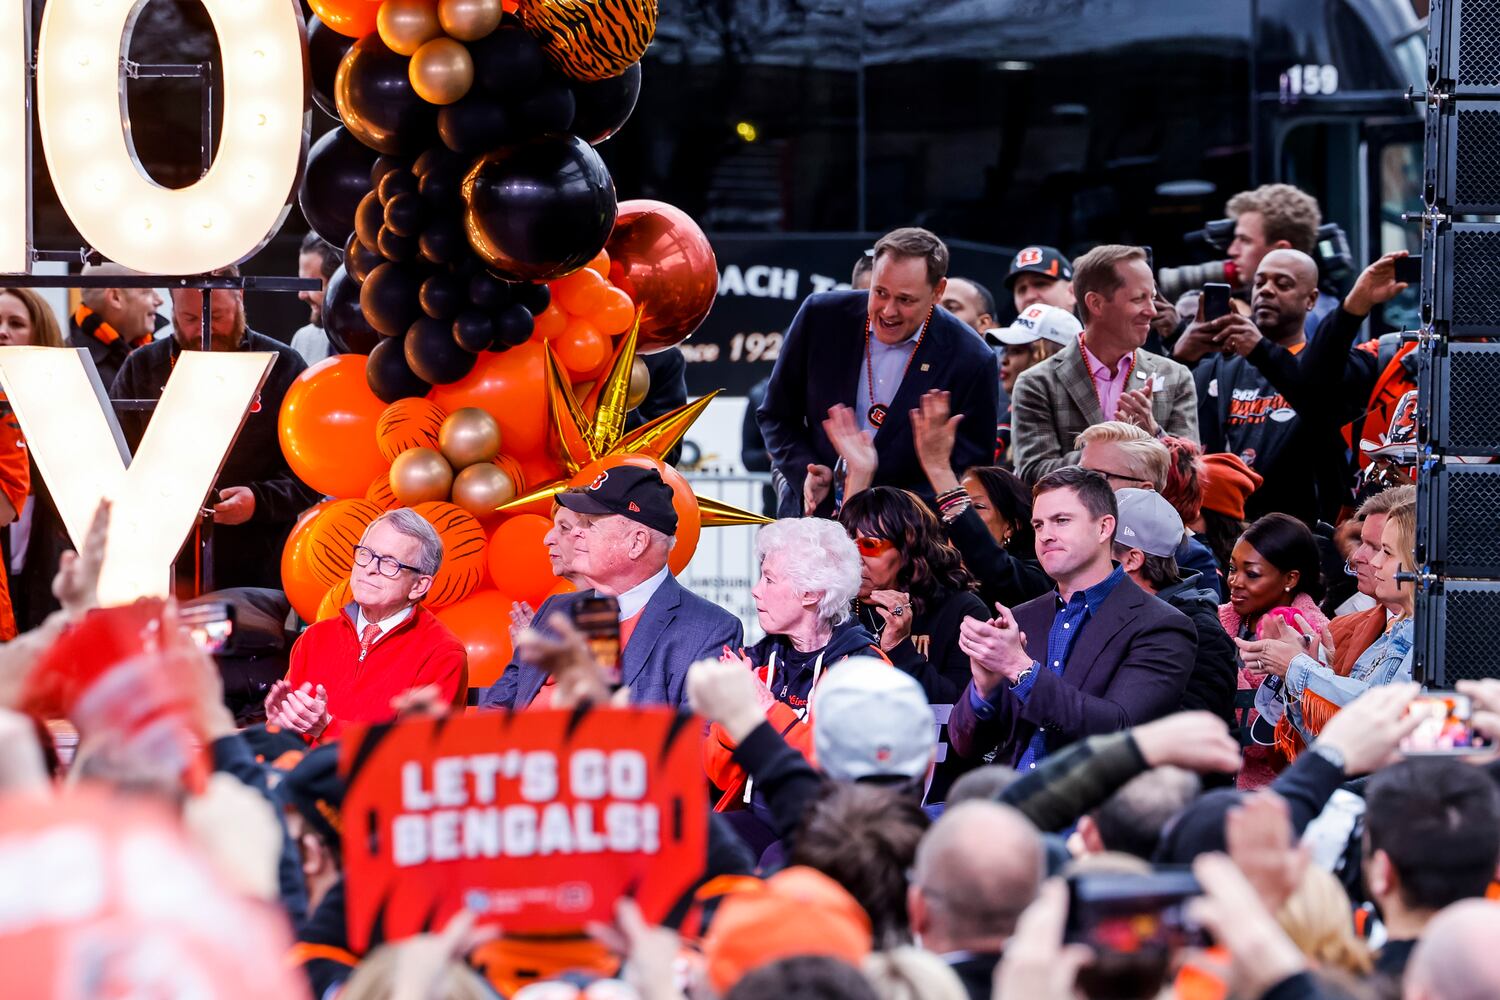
(636, 598)
(385, 624)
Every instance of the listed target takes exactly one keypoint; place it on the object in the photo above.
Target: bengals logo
(591, 39)
(599, 481)
(1028, 257)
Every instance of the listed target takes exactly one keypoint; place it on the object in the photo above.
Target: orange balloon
(518, 558)
(482, 623)
(327, 426)
(582, 349)
(684, 501)
(600, 263)
(333, 536)
(615, 313)
(355, 18)
(406, 424)
(302, 588)
(550, 322)
(580, 293)
(512, 387)
(662, 260)
(463, 552)
(337, 598)
(380, 493)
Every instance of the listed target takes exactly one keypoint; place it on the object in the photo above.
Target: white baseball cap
(871, 719)
(1040, 322)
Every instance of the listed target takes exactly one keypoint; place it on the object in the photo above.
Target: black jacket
(108, 358)
(931, 654)
(819, 366)
(1003, 576)
(249, 554)
(1215, 675)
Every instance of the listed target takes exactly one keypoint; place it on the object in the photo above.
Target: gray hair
(818, 556)
(413, 525)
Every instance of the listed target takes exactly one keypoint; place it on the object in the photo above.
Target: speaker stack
(1458, 491)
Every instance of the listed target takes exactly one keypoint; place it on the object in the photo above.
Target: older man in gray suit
(1104, 375)
(624, 533)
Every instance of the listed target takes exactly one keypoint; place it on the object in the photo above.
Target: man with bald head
(112, 322)
(976, 869)
(1456, 957)
(1238, 361)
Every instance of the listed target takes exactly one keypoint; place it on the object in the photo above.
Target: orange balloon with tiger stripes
(465, 560)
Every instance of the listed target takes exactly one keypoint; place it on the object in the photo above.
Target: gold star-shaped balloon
(585, 432)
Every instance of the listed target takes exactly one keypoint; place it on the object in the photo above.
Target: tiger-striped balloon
(406, 424)
(332, 538)
(591, 39)
(465, 561)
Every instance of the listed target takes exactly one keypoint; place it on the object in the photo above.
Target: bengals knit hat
(630, 491)
(797, 911)
(1227, 484)
(871, 720)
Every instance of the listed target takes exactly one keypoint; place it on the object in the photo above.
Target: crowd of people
(1084, 663)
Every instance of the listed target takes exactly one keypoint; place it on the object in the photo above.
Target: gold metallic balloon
(469, 436)
(420, 475)
(640, 384)
(406, 25)
(468, 20)
(480, 489)
(442, 71)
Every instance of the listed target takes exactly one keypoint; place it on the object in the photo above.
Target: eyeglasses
(1117, 475)
(873, 546)
(388, 566)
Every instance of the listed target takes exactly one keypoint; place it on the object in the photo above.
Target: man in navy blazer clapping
(1096, 655)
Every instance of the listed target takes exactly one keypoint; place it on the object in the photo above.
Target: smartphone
(598, 618)
(1445, 729)
(1409, 269)
(1215, 300)
(1134, 925)
(211, 624)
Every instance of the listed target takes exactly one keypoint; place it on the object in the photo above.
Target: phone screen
(1215, 300)
(598, 618)
(210, 625)
(1445, 727)
(1133, 924)
(1409, 269)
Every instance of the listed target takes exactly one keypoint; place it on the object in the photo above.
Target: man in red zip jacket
(348, 668)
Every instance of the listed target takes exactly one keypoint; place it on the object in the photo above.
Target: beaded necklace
(877, 411)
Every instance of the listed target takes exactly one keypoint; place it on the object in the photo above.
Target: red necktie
(367, 639)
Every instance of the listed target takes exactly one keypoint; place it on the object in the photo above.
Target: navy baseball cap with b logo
(630, 491)
(1046, 261)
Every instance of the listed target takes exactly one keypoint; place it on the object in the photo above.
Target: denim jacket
(1387, 661)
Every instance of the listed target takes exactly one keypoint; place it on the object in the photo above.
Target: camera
(1173, 281)
(1330, 250)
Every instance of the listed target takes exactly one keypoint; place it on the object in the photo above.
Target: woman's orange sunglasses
(873, 546)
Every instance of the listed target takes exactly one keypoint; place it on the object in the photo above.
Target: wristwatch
(1021, 677)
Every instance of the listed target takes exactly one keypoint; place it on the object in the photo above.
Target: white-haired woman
(809, 577)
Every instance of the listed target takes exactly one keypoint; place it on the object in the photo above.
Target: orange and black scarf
(93, 325)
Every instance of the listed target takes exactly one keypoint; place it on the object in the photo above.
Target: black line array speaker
(1458, 384)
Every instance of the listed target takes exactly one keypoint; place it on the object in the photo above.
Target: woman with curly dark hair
(914, 589)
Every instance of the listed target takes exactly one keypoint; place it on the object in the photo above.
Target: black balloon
(336, 178)
(441, 296)
(508, 62)
(325, 50)
(394, 246)
(390, 377)
(474, 124)
(488, 292)
(548, 108)
(394, 183)
(368, 218)
(359, 259)
(406, 214)
(443, 242)
(343, 319)
(389, 298)
(434, 355)
(513, 326)
(385, 166)
(473, 331)
(605, 105)
(539, 210)
(536, 298)
(376, 100)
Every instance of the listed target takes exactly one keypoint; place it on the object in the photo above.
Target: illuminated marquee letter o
(239, 204)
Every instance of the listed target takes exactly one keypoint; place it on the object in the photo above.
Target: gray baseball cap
(1147, 522)
(871, 720)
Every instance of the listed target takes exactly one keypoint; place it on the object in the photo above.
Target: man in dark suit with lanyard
(877, 352)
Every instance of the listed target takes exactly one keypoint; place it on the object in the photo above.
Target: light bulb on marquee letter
(239, 204)
(75, 439)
